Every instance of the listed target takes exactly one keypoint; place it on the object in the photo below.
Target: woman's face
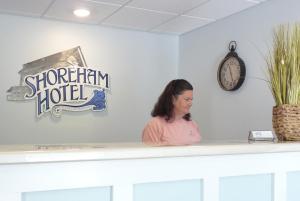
(182, 103)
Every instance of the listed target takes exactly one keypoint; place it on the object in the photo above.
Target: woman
(171, 123)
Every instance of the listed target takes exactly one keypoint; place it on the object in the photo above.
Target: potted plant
(283, 70)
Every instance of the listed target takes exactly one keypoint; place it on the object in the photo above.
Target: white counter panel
(124, 167)
(83, 194)
(86, 152)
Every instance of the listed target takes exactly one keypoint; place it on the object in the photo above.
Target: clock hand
(230, 73)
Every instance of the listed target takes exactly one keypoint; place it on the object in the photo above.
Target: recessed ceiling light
(81, 12)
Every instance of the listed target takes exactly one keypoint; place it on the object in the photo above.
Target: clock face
(230, 74)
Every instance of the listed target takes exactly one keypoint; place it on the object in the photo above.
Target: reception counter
(135, 172)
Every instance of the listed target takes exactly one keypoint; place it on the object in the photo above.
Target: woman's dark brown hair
(164, 106)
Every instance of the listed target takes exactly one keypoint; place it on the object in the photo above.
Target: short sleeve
(152, 133)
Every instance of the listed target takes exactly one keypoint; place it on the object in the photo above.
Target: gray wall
(230, 115)
(140, 64)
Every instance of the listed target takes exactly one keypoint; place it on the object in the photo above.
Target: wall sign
(61, 81)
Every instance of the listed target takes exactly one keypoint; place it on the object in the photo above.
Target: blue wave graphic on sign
(96, 103)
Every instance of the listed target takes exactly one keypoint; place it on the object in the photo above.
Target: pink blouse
(178, 132)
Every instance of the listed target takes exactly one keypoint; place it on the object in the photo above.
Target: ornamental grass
(283, 65)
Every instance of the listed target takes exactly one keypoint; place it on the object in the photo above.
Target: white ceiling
(163, 16)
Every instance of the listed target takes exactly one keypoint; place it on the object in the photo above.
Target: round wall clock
(232, 70)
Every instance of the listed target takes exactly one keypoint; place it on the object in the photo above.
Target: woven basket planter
(286, 122)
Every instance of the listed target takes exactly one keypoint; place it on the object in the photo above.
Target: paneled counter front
(135, 172)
